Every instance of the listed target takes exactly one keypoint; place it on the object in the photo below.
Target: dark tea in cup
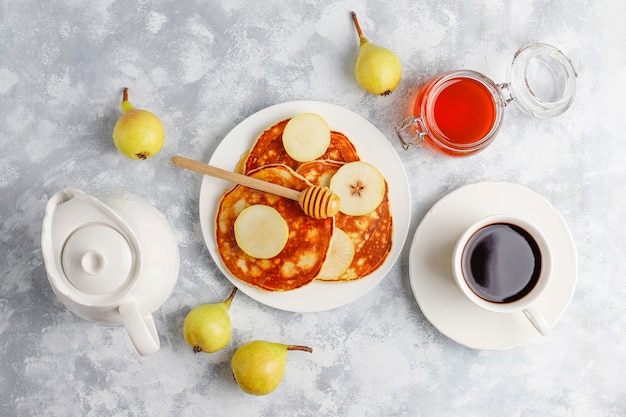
(501, 262)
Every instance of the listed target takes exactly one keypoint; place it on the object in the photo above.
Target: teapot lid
(97, 259)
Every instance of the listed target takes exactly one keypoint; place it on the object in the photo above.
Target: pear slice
(339, 258)
(261, 232)
(306, 137)
(360, 187)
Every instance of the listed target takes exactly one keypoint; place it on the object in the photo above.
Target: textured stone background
(203, 67)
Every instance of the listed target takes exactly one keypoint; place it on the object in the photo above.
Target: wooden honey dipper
(316, 201)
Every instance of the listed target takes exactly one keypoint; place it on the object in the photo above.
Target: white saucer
(440, 300)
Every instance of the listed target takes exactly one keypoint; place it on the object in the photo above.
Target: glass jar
(459, 113)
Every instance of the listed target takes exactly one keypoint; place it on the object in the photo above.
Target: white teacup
(503, 264)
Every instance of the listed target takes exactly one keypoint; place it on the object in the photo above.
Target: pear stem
(231, 296)
(126, 106)
(298, 347)
(362, 38)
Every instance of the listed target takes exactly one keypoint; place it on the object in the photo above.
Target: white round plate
(372, 146)
(430, 268)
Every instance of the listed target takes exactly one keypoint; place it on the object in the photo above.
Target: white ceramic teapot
(111, 259)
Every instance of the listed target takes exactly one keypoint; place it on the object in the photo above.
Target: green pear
(207, 327)
(258, 366)
(138, 134)
(378, 70)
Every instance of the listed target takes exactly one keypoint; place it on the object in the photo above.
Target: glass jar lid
(541, 80)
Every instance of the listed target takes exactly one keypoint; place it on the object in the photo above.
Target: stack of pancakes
(309, 242)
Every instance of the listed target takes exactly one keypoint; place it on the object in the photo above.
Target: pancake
(268, 149)
(371, 233)
(307, 246)
(319, 172)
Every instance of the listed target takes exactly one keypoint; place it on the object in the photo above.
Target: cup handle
(140, 328)
(537, 320)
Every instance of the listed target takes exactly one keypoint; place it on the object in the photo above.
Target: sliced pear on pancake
(371, 234)
(339, 258)
(360, 187)
(268, 149)
(306, 137)
(261, 232)
(308, 244)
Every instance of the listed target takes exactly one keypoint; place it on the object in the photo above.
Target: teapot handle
(140, 328)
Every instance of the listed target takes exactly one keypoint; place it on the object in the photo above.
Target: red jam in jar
(463, 113)
(459, 113)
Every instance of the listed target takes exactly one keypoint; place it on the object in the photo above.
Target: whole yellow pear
(207, 327)
(258, 366)
(138, 134)
(377, 70)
